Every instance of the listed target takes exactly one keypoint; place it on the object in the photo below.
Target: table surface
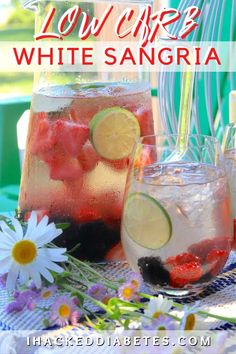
(219, 298)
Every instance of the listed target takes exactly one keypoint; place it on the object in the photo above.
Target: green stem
(84, 295)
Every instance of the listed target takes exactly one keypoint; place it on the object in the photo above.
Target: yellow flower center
(24, 252)
(156, 314)
(64, 311)
(127, 293)
(135, 283)
(47, 294)
(190, 322)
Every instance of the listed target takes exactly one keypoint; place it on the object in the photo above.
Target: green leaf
(46, 323)
(63, 226)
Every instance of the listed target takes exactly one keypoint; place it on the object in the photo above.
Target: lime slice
(113, 132)
(147, 222)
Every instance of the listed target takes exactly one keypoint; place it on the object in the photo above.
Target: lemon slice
(146, 221)
(113, 132)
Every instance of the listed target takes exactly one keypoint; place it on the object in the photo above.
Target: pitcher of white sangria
(83, 127)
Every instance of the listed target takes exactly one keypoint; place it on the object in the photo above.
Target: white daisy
(190, 320)
(25, 256)
(156, 307)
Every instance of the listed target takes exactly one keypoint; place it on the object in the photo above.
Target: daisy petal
(12, 277)
(24, 276)
(35, 275)
(18, 228)
(53, 266)
(44, 272)
(43, 223)
(5, 265)
(10, 235)
(32, 223)
(54, 254)
(47, 237)
(4, 254)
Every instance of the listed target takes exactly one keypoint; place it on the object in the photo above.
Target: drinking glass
(176, 224)
(229, 148)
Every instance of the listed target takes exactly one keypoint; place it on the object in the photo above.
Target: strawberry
(182, 259)
(88, 157)
(119, 164)
(116, 253)
(216, 259)
(145, 158)
(145, 119)
(65, 168)
(43, 138)
(86, 215)
(202, 248)
(234, 240)
(184, 274)
(71, 136)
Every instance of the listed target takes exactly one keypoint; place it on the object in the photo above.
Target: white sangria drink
(230, 158)
(79, 144)
(176, 228)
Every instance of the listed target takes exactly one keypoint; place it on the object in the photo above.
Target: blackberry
(153, 271)
(95, 239)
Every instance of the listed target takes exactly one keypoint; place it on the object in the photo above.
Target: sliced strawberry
(43, 138)
(184, 274)
(87, 215)
(119, 164)
(182, 259)
(202, 248)
(65, 169)
(88, 157)
(234, 240)
(145, 158)
(216, 259)
(145, 119)
(71, 136)
(116, 253)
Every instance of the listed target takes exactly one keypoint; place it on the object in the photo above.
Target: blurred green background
(16, 24)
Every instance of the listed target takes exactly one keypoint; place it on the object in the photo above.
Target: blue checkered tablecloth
(219, 298)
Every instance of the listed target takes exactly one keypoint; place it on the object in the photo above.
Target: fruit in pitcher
(71, 136)
(146, 221)
(144, 118)
(67, 168)
(88, 157)
(113, 132)
(43, 138)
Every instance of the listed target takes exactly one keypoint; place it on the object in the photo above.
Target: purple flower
(48, 292)
(64, 311)
(162, 323)
(136, 280)
(3, 280)
(127, 292)
(97, 291)
(22, 299)
(14, 306)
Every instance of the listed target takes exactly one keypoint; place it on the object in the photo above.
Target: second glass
(229, 147)
(176, 228)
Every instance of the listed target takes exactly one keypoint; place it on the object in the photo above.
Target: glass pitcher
(81, 133)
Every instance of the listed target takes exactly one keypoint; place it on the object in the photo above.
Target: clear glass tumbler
(229, 147)
(176, 228)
